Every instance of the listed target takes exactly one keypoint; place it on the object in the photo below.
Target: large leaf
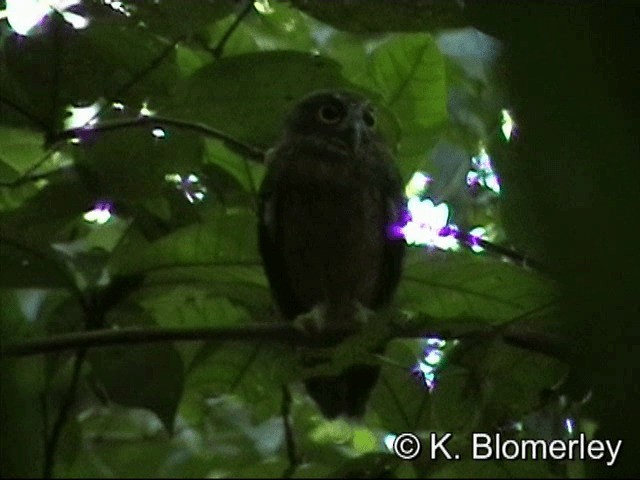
(190, 307)
(20, 149)
(252, 373)
(148, 376)
(132, 164)
(66, 66)
(464, 287)
(408, 70)
(247, 96)
(226, 240)
(174, 19)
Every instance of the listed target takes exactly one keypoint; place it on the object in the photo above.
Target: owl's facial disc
(346, 123)
(339, 120)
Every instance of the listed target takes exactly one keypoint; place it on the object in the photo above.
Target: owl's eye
(369, 119)
(330, 114)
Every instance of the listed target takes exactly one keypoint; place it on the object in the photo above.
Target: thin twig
(252, 185)
(37, 121)
(57, 45)
(63, 415)
(292, 454)
(21, 180)
(219, 49)
(145, 71)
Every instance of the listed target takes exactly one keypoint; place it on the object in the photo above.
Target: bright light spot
(263, 7)
(508, 125)
(145, 111)
(117, 106)
(77, 21)
(482, 161)
(100, 214)
(491, 182)
(289, 25)
(517, 426)
(417, 185)
(472, 178)
(389, 440)
(23, 15)
(158, 133)
(482, 173)
(568, 423)
(190, 186)
(427, 224)
(474, 236)
(436, 342)
(425, 212)
(118, 7)
(433, 357)
(81, 116)
(75, 141)
(427, 367)
(427, 374)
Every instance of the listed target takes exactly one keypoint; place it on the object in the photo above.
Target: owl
(327, 203)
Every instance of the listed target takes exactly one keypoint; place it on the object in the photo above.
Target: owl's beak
(354, 127)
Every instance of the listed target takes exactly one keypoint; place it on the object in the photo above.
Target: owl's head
(340, 118)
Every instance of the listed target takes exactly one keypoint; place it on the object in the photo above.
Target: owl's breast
(332, 236)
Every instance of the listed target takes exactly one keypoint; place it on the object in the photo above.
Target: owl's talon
(363, 315)
(312, 322)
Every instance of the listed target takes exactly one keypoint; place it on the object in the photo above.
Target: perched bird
(327, 202)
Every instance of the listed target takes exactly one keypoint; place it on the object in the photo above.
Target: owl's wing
(394, 248)
(270, 247)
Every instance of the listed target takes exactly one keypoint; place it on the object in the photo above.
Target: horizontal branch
(127, 336)
(141, 121)
(272, 332)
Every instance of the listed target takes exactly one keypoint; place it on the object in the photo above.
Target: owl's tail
(346, 393)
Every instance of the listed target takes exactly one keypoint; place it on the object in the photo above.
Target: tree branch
(143, 121)
(274, 332)
(51, 445)
(219, 49)
(292, 454)
(30, 116)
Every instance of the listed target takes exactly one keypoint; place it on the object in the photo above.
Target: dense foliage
(141, 213)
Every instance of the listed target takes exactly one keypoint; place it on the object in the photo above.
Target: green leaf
(248, 174)
(52, 68)
(252, 374)
(408, 70)
(19, 149)
(283, 28)
(464, 287)
(247, 96)
(225, 240)
(179, 18)
(148, 376)
(43, 218)
(186, 306)
(399, 400)
(131, 164)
